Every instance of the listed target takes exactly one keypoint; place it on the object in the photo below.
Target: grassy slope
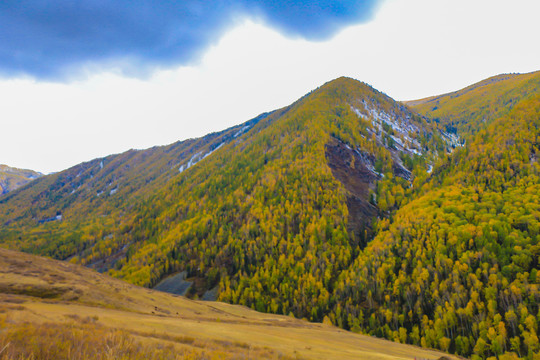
(48, 294)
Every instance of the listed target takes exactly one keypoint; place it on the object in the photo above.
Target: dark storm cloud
(52, 38)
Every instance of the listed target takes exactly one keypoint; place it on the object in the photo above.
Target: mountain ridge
(13, 178)
(470, 109)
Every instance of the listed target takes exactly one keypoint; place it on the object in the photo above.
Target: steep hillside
(273, 208)
(457, 268)
(51, 309)
(66, 212)
(473, 108)
(13, 178)
(344, 206)
(268, 222)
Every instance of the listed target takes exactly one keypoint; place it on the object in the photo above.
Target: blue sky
(83, 81)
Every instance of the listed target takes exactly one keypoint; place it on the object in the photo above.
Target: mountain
(302, 183)
(13, 178)
(345, 207)
(51, 309)
(278, 214)
(468, 110)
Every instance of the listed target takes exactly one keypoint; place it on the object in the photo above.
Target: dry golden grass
(55, 310)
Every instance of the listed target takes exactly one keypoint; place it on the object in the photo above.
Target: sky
(81, 80)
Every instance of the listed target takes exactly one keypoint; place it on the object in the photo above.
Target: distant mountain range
(13, 178)
(416, 222)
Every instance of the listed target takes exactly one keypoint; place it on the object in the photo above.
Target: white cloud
(412, 49)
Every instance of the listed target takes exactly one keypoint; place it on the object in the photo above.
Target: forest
(449, 260)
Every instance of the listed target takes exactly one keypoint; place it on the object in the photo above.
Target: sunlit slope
(55, 309)
(457, 268)
(472, 108)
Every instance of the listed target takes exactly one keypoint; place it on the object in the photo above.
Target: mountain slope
(66, 212)
(266, 220)
(51, 309)
(13, 178)
(457, 268)
(468, 110)
(345, 206)
(272, 213)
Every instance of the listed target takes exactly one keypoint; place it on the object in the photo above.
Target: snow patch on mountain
(401, 127)
(198, 157)
(211, 151)
(241, 131)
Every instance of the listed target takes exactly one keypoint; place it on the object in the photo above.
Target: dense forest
(457, 267)
(447, 254)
